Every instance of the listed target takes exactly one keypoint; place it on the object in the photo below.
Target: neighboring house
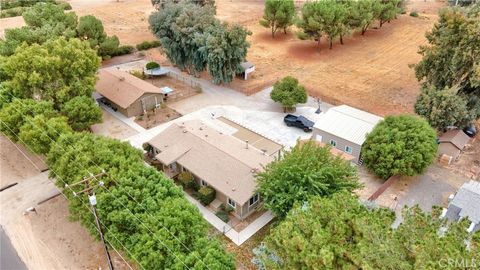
(452, 143)
(126, 93)
(466, 204)
(345, 128)
(215, 159)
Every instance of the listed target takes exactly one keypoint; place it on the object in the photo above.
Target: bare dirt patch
(112, 127)
(157, 117)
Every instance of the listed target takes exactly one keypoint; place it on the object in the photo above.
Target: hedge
(148, 45)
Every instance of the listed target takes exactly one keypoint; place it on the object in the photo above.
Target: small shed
(452, 143)
(247, 68)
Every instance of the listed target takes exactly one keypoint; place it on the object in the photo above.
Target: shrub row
(148, 45)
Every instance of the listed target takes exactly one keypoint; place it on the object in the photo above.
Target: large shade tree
(278, 14)
(443, 108)
(142, 211)
(451, 59)
(289, 93)
(307, 170)
(15, 113)
(57, 70)
(40, 132)
(82, 112)
(400, 145)
(340, 232)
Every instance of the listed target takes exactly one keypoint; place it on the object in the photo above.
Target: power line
(59, 178)
(120, 201)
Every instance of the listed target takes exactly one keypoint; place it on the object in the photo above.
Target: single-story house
(345, 128)
(451, 144)
(466, 204)
(126, 93)
(215, 159)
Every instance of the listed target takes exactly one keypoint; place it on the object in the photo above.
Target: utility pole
(93, 202)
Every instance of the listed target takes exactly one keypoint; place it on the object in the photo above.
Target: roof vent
(184, 131)
(264, 151)
(122, 78)
(233, 189)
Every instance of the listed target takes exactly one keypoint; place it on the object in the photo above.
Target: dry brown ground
(112, 127)
(370, 72)
(46, 240)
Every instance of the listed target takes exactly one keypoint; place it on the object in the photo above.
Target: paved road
(9, 259)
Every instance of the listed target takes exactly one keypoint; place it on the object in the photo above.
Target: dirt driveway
(429, 189)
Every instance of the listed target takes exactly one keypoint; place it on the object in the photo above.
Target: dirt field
(370, 72)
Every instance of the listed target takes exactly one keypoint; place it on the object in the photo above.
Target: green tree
(311, 21)
(452, 57)
(388, 10)
(57, 70)
(333, 14)
(443, 108)
(225, 48)
(44, 21)
(43, 14)
(340, 232)
(90, 29)
(40, 132)
(288, 92)
(180, 29)
(278, 14)
(143, 211)
(82, 112)
(367, 12)
(400, 145)
(307, 170)
(14, 114)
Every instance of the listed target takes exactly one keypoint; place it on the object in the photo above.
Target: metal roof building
(466, 204)
(345, 128)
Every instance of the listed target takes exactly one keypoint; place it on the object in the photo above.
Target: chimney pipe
(246, 145)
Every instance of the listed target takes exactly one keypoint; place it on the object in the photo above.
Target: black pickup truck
(298, 121)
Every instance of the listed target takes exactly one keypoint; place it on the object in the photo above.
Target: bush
(222, 215)
(64, 5)
(152, 65)
(12, 12)
(122, 50)
(226, 208)
(414, 14)
(206, 195)
(148, 45)
(138, 73)
(187, 180)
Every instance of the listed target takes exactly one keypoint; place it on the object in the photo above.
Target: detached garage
(126, 93)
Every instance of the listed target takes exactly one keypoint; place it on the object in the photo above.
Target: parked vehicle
(298, 121)
(470, 130)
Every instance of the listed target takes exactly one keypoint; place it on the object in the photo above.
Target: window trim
(351, 149)
(334, 144)
(234, 205)
(255, 201)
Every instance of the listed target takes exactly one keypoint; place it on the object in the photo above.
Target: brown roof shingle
(121, 87)
(219, 159)
(455, 137)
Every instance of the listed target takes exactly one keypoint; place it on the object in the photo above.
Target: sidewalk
(238, 238)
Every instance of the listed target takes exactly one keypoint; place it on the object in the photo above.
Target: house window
(333, 143)
(253, 200)
(232, 203)
(348, 149)
(203, 183)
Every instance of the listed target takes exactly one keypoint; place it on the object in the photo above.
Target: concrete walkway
(238, 238)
